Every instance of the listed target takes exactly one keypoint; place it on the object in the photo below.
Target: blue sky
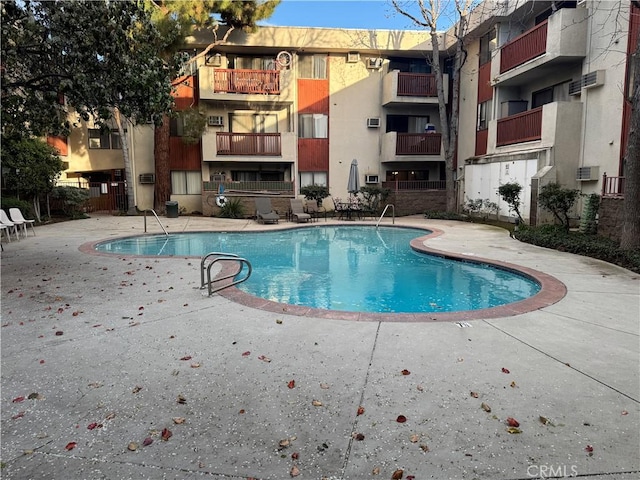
(368, 14)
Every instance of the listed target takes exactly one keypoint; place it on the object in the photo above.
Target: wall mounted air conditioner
(373, 122)
(371, 179)
(589, 80)
(147, 178)
(374, 62)
(588, 174)
(215, 121)
(353, 57)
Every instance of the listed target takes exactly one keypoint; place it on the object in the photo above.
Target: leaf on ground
(195, 365)
(358, 436)
(397, 475)
(111, 416)
(295, 471)
(375, 471)
(513, 385)
(70, 446)
(512, 422)
(181, 399)
(514, 430)
(166, 434)
(147, 441)
(59, 333)
(264, 358)
(485, 407)
(505, 370)
(18, 415)
(283, 443)
(178, 420)
(589, 449)
(401, 419)
(420, 388)
(414, 438)
(316, 403)
(295, 456)
(92, 425)
(324, 386)
(424, 448)
(405, 372)
(545, 421)
(360, 410)
(133, 446)
(17, 400)
(411, 477)
(241, 412)
(246, 354)
(136, 389)
(291, 384)
(474, 394)
(186, 357)
(624, 412)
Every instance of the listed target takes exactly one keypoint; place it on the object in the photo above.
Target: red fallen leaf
(401, 419)
(60, 310)
(505, 370)
(97, 325)
(17, 400)
(140, 308)
(59, 332)
(291, 384)
(246, 354)
(242, 411)
(397, 475)
(474, 394)
(76, 313)
(295, 455)
(410, 477)
(70, 446)
(405, 372)
(92, 425)
(18, 415)
(360, 410)
(512, 422)
(147, 441)
(188, 357)
(588, 449)
(624, 412)
(166, 434)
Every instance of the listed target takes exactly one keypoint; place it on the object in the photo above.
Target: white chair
(9, 224)
(17, 217)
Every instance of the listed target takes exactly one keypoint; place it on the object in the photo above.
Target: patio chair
(17, 217)
(4, 219)
(264, 212)
(297, 211)
(312, 209)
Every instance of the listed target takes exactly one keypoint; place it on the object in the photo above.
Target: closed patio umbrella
(353, 185)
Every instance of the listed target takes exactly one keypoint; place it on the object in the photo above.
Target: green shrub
(558, 201)
(232, 209)
(315, 192)
(374, 196)
(72, 200)
(510, 193)
(557, 238)
(446, 216)
(25, 207)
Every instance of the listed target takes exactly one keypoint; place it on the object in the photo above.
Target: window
(487, 45)
(484, 115)
(186, 183)
(104, 139)
(556, 93)
(254, 63)
(313, 125)
(313, 178)
(176, 127)
(312, 66)
(254, 123)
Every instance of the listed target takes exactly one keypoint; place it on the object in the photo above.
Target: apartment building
(541, 100)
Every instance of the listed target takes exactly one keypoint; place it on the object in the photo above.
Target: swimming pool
(347, 268)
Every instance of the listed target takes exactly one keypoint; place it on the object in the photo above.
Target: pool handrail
(220, 256)
(158, 219)
(393, 214)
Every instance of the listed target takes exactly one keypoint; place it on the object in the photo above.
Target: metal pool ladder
(155, 215)
(393, 214)
(221, 256)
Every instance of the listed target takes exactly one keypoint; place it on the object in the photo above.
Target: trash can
(172, 209)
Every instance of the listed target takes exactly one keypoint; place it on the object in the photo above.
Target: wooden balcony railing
(530, 44)
(246, 81)
(415, 185)
(522, 127)
(255, 186)
(228, 143)
(418, 144)
(417, 84)
(612, 186)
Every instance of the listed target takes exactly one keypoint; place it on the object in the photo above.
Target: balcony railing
(527, 46)
(248, 144)
(255, 186)
(612, 186)
(418, 144)
(246, 81)
(522, 127)
(417, 84)
(396, 185)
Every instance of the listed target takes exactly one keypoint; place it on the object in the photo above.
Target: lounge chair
(264, 212)
(297, 211)
(17, 217)
(4, 219)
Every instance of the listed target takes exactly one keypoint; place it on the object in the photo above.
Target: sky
(366, 14)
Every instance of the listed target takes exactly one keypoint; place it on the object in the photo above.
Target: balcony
(247, 146)
(244, 187)
(244, 85)
(416, 146)
(402, 88)
(559, 40)
(519, 128)
(397, 185)
(612, 186)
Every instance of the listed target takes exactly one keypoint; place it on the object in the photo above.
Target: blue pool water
(349, 268)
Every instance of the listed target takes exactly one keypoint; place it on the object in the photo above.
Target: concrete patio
(117, 367)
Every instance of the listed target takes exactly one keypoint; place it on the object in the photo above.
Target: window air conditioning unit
(371, 179)
(215, 121)
(587, 174)
(374, 62)
(589, 80)
(147, 178)
(373, 122)
(353, 57)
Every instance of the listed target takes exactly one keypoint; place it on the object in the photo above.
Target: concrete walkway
(120, 368)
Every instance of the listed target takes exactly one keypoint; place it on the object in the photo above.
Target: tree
(430, 13)
(99, 56)
(177, 19)
(558, 200)
(31, 168)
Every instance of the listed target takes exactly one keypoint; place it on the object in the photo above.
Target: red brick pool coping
(551, 291)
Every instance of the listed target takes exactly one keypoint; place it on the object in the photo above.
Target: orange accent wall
(313, 153)
(186, 90)
(60, 144)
